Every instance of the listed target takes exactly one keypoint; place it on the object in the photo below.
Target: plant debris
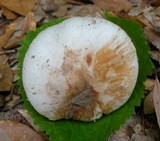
(113, 5)
(17, 17)
(7, 34)
(20, 7)
(14, 131)
(153, 37)
(156, 99)
(6, 78)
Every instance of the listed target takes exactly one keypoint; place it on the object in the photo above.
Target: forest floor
(17, 17)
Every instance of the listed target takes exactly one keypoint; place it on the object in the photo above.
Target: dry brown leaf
(14, 131)
(1, 11)
(3, 59)
(156, 55)
(143, 21)
(4, 136)
(113, 5)
(28, 117)
(135, 130)
(8, 32)
(6, 78)
(148, 104)
(75, 2)
(47, 5)
(18, 29)
(135, 11)
(59, 2)
(39, 12)
(153, 18)
(141, 137)
(153, 37)
(15, 100)
(156, 99)
(12, 43)
(21, 7)
(149, 83)
(157, 10)
(85, 10)
(120, 135)
(15, 74)
(62, 10)
(19, 23)
(136, 3)
(30, 23)
(9, 14)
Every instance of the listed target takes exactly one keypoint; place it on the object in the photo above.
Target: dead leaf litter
(17, 17)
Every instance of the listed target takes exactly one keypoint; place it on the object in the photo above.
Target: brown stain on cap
(110, 66)
(88, 59)
(82, 106)
(113, 67)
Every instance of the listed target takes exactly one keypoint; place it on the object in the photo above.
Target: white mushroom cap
(80, 69)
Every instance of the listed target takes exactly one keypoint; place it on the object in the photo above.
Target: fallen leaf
(62, 10)
(75, 2)
(47, 5)
(153, 18)
(143, 21)
(135, 11)
(156, 99)
(9, 14)
(148, 104)
(16, 78)
(120, 135)
(15, 100)
(157, 10)
(39, 13)
(85, 10)
(19, 23)
(30, 23)
(148, 9)
(153, 37)
(145, 15)
(1, 11)
(12, 43)
(18, 29)
(149, 83)
(6, 78)
(15, 131)
(135, 130)
(59, 2)
(141, 137)
(4, 136)
(136, 3)
(113, 5)
(156, 55)
(15, 74)
(3, 59)
(28, 117)
(21, 7)
(8, 32)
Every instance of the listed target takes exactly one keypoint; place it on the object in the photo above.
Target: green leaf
(70, 130)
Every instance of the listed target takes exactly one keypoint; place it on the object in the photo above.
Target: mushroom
(81, 69)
